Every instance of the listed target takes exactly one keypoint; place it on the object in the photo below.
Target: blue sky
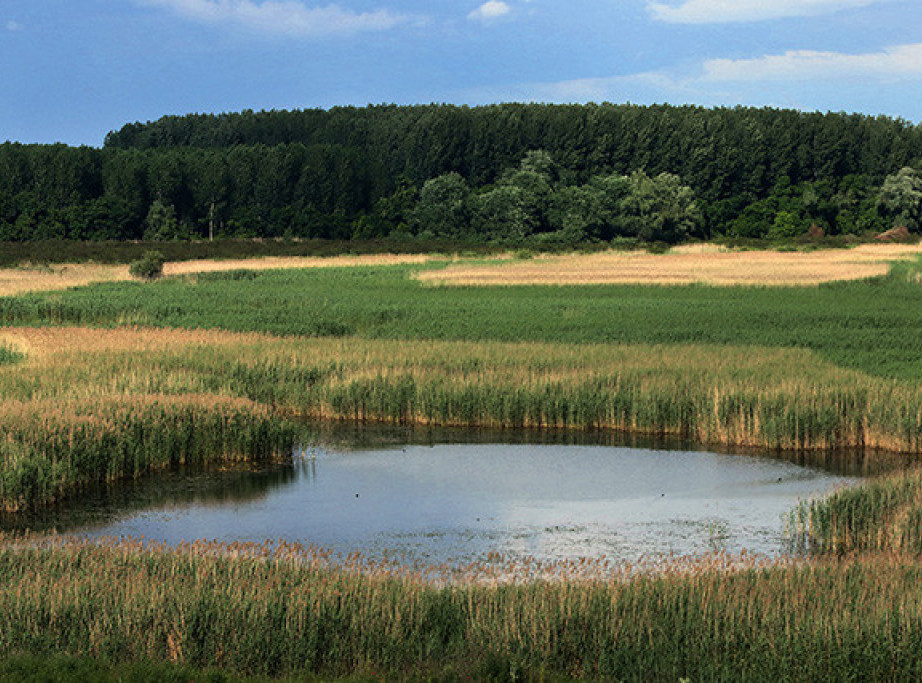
(71, 70)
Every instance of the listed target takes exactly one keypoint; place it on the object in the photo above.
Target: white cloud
(13, 26)
(893, 63)
(284, 17)
(729, 11)
(492, 9)
(805, 79)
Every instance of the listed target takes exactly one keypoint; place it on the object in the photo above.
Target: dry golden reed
(682, 265)
(777, 398)
(26, 278)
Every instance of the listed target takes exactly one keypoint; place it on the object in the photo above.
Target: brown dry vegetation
(684, 265)
(24, 279)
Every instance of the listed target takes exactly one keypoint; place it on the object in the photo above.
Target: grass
(269, 612)
(23, 279)
(874, 326)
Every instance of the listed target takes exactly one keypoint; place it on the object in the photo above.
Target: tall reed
(882, 515)
(770, 398)
(50, 449)
(271, 612)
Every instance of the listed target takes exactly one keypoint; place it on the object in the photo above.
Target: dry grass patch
(685, 265)
(44, 342)
(23, 279)
(282, 262)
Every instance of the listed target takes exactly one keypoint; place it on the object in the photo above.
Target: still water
(456, 502)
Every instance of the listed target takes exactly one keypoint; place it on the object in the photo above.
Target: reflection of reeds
(270, 609)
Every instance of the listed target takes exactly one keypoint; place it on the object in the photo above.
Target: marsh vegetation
(116, 380)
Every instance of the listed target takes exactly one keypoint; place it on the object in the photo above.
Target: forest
(508, 173)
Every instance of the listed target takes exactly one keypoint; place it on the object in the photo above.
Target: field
(31, 278)
(704, 264)
(117, 379)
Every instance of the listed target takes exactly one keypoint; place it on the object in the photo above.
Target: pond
(441, 500)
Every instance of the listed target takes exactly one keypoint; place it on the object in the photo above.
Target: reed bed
(51, 448)
(681, 266)
(788, 399)
(882, 515)
(277, 610)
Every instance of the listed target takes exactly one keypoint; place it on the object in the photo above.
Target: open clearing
(24, 279)
(705, 264)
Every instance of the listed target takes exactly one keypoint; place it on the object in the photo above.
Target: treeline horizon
(508, 172)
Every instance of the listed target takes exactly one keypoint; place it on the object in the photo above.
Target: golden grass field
(24, 279)
(707, 264)
(689, 264)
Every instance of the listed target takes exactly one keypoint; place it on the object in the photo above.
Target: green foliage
(659, 209)
(786, 226)
(355, 172)
(161, 223)
(900, 199)
(9, 355)
(442, 207)
(148, 267)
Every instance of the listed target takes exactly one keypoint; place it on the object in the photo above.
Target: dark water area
(456, 496)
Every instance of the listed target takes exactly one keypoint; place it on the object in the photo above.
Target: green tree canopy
(900, 198)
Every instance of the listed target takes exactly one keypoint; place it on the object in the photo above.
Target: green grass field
(874, 326)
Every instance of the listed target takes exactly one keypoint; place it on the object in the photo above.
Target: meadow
(870, 325)
(115, 380)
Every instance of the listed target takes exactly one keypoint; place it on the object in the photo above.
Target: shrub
(148, 267)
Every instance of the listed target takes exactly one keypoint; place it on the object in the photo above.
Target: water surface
(456, 502)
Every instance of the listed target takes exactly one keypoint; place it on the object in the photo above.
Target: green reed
(770, 398)
(9, 355)
(286, 611)
(50, 450)
(882, 515)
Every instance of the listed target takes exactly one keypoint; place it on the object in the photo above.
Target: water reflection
(181, 487)
(456, 496)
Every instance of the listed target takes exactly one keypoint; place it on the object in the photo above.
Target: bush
(148, 267)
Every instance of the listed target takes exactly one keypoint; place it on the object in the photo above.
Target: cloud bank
(802, 79)
(890, 64)
(281, 17)
(732, 11)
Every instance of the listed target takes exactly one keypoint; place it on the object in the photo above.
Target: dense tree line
(512, 171)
